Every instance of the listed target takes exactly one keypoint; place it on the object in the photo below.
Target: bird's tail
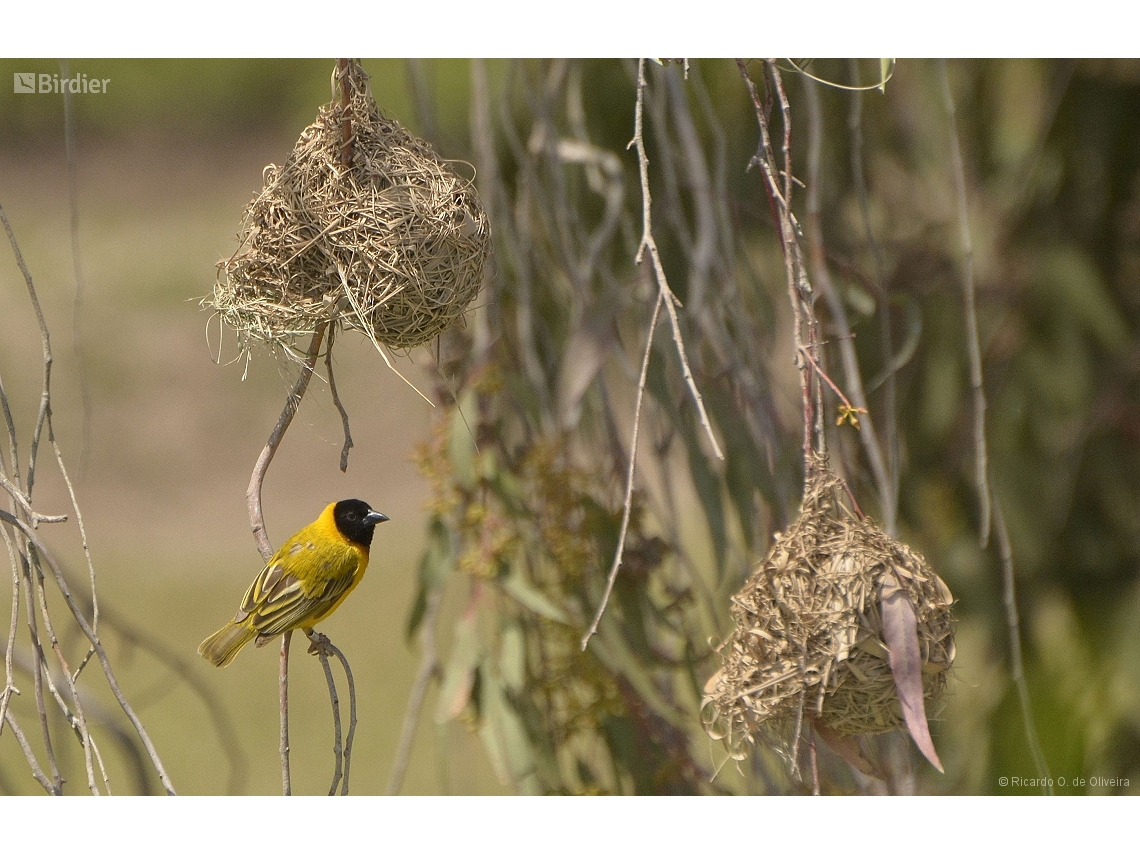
(221, 647)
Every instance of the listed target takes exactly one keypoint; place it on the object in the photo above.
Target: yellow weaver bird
(304, 582)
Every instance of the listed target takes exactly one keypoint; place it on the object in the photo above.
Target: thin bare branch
(81, 621)
(648, 243)
(628, 504)
(799, 289)
(283, 688)
(822, 276)
(888, 480)
(77, 268)
(30, 756)
(253, 492)
(332, 648)
(320, 644)
(990, 508)
(338, 759)
(666, 298)
(339, 406)
(973, 347)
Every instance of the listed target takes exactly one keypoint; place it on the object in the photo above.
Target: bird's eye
(351, 515)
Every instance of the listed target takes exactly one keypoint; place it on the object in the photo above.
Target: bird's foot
(318, 643)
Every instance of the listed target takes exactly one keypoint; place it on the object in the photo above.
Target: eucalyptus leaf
(522, 592)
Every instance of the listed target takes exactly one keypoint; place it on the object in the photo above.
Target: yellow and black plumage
(304, 582)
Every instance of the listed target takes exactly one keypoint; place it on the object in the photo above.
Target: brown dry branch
(77, 268)
(888, 480)
(969, 297)
(779, 193)
(85, 627)
(822, 275)
(28, 556)
(665, 298)
(336, 401)
(283, 701)
(257, 479)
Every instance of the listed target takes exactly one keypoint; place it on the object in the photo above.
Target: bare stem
(666, 298)
(973, 346)
(338, 758)
(339, 406)
(778, 185)
(320, 644)
(283, 693)
(888, 481)
(253, 492)
(648, 243)
(81, 621)
(628, 505)
(332, 648)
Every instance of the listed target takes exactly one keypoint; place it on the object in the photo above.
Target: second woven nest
(808, 640)
(380, 235)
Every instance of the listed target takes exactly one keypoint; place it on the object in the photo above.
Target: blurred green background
(170, 155)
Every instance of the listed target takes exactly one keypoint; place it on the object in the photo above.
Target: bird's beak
(374, 517)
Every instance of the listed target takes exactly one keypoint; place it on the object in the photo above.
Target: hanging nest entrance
(365, 225)
(809, 636)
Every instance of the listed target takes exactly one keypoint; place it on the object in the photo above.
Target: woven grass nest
(809, 637)
(392, 244)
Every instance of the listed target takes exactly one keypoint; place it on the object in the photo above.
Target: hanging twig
(889, 481)
(339, 406)
(253, 492)
(804, 327)
(666, 298)
(30, 756)
(257, 524)
(648, 243)
(973, 347)
(628, 504)
(822, 276)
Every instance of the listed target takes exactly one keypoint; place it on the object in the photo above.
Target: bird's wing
(278, 601)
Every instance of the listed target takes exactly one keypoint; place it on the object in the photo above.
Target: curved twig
(253, 492)
(336, 400)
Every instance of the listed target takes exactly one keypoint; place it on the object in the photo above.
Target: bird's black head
(356, 520)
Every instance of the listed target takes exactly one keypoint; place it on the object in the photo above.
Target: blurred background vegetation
(506, 497)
